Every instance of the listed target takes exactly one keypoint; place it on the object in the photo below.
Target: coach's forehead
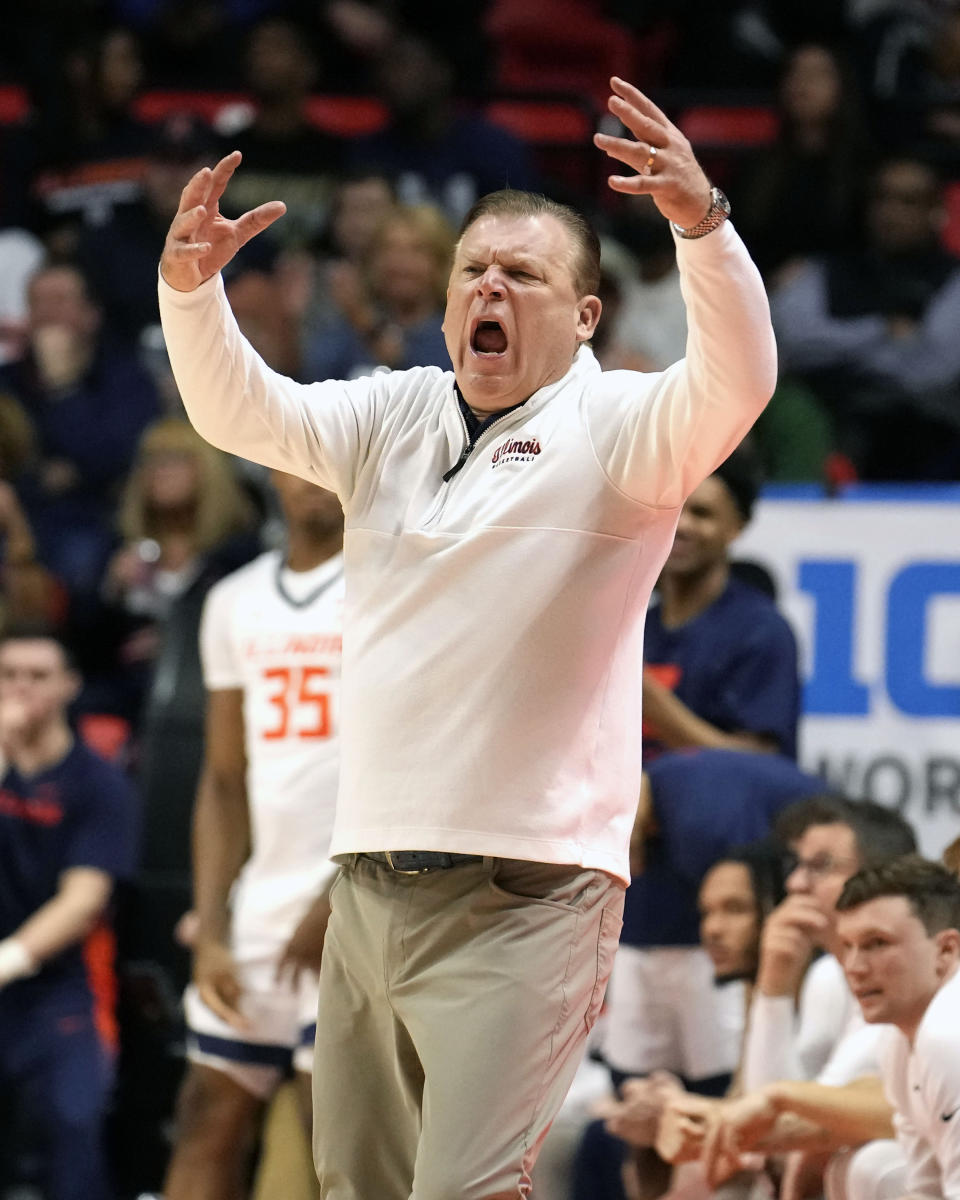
(499, 237)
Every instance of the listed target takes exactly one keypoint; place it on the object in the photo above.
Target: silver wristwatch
(717, 213)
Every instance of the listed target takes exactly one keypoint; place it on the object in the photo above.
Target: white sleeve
(221, 669)
(769, 1048)
(319, 431)
(657, 436)
(787, 1041)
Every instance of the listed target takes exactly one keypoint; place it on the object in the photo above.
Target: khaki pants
(454, 1009)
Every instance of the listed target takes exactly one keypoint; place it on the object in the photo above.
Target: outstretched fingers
(257, 219)
(636, 99)
(186, 223)
(632, 154)
(220, 176)
(196, 190)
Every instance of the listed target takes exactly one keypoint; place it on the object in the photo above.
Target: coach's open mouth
(489, 338)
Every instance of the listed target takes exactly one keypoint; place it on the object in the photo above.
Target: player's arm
(679, 727)
(221, 845)
(795, 1115)
(816, 1116)
(65, 919)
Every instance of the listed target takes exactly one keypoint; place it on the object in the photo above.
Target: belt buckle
(400, 870)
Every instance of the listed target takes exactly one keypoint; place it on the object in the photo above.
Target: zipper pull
(464, 455)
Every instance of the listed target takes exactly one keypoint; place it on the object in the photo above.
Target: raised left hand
(666, 167)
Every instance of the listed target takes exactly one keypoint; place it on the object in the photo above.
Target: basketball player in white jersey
(271, 646)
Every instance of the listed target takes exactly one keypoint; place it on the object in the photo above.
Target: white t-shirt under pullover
(494, 620)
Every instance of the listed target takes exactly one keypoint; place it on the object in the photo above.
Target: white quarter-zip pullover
(492, 655)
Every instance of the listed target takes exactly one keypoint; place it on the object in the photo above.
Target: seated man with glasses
(810, 1061)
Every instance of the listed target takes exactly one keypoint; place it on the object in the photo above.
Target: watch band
(717, 213)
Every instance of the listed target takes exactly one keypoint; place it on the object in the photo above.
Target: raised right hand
(215, 975)
(201, 241)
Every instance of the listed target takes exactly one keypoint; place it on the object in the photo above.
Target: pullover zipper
(469, 445)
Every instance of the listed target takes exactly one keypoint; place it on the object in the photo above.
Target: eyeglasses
(819, 866)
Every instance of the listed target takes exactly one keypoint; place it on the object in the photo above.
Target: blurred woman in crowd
(804, 196)
(391, 309)
(182, 516)
(28, 591)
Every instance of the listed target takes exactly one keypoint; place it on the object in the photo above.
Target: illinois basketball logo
(515, 450)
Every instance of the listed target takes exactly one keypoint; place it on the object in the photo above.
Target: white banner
(871, 586)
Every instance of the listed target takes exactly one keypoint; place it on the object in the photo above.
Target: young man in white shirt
(271, 645)
(505, 525)
(899, 924)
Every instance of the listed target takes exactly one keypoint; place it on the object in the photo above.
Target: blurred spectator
(615, 272)
(892, 39)
(179, 512)
(652, 321)
(392, 314)
(805, 195)
(28, 592)
(67, 834)
(182, 502)
(119, 256)
(720, 661)
(915, 78)
(194, 43)
(89, 145)
(259, 298)
(88, 399)
(20, 256)
(284, 154)
(872, 331)
(734, 45)
(430, 149)
(360, 31)
(360, 203)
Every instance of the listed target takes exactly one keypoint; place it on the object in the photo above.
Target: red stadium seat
(729, 126)
(14, 104)
(950, 234)
(159, 104)
(347, 116)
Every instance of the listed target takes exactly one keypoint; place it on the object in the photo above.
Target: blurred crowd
(377, 123)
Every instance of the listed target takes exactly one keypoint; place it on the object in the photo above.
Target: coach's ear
(948, 951)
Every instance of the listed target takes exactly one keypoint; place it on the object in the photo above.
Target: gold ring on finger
(647, 168)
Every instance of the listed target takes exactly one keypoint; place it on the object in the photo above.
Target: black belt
(418, 862)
